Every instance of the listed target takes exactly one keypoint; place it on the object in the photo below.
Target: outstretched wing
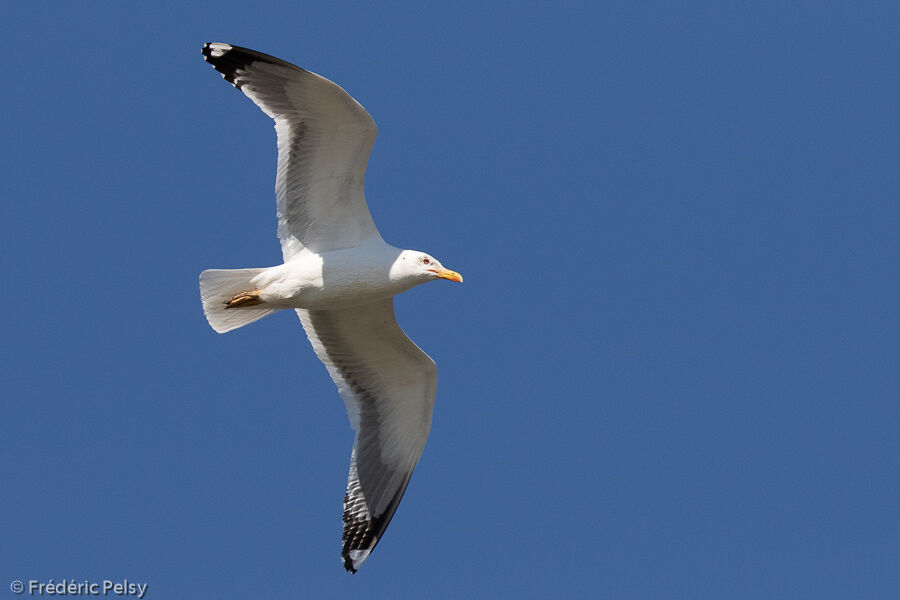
(324, 141)
(388, 385)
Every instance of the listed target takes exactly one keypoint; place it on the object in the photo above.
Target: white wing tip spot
(358, 556)
(217, 50)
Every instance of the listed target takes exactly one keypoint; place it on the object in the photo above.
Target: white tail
(217, 287)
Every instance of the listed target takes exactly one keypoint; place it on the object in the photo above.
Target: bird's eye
(426, 261)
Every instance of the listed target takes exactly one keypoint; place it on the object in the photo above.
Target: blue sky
(671, 371)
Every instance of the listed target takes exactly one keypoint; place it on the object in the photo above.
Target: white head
(421, 267)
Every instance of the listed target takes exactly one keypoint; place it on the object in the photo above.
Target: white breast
(331, 280)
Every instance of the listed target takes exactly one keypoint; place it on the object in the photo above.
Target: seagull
(340, 276)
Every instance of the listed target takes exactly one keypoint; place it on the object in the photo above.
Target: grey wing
(324, 141)
(388, 385)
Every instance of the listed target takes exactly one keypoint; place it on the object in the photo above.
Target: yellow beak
(448, 274)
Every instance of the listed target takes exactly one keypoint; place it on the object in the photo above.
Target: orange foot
(244, 299)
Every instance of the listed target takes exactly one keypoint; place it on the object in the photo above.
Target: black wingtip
(348, 564)
(226, 62)
(228, 59)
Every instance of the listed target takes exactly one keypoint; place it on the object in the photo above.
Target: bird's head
(421, 267)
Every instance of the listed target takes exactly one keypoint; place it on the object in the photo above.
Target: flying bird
(340, 276)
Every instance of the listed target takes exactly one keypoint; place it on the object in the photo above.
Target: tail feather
(217, 287)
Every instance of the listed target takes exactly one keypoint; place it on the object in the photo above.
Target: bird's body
(335, 279)
(340, 277)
